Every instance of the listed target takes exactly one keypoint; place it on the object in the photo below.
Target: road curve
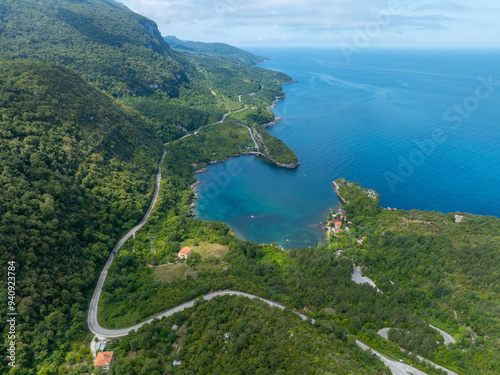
(92, 314)
(251, 135)
(384, 332)
(448, 339)
(397, 368)
(104, 332)
(358, 278)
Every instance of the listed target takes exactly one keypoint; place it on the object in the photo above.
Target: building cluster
(339, 224)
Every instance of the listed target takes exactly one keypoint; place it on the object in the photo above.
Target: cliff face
(117, 50)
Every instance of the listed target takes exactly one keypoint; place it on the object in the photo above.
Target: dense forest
(235, 335)
(444, 265)
(77, 171)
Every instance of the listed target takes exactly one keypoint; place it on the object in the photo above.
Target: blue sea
(421, 127)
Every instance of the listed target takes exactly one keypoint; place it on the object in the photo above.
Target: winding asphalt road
(108, 333)
(448, 339)
(384, 332)
(397, 368)
(92, 315)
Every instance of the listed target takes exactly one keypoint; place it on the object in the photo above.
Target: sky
(348, 23)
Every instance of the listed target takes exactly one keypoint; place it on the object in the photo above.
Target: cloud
(318, 21)
(442, 6)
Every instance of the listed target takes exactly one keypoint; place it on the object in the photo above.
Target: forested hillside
(124, 54)
(89, 91)
(117, 50)
(77, 171)
(235, 335)
(445, 266)
(90, 94)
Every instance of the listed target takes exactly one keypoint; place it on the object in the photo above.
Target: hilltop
(214, 49)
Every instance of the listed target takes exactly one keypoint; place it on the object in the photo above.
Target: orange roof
(185, 250)
(103, 358)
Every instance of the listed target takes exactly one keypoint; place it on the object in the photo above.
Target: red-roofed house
(337, 223)
(185, 253)
(104, 360)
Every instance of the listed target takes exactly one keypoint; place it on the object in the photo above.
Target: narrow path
(206, 126)
(251, 135)
(217, 122)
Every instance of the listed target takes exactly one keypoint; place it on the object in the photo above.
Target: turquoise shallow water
(417, 126)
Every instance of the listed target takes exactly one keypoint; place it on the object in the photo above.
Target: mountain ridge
(215, 49)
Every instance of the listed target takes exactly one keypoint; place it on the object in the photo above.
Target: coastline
(273, 103)
(278, 98)
(336, 188)
(272, 123)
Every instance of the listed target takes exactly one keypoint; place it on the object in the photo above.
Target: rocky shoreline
(273, 104)
(272, 123)
(336, 187)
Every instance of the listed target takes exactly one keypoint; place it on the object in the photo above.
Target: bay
(421, 127)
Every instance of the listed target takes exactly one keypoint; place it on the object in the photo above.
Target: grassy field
(207, 250)
(179, 271)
